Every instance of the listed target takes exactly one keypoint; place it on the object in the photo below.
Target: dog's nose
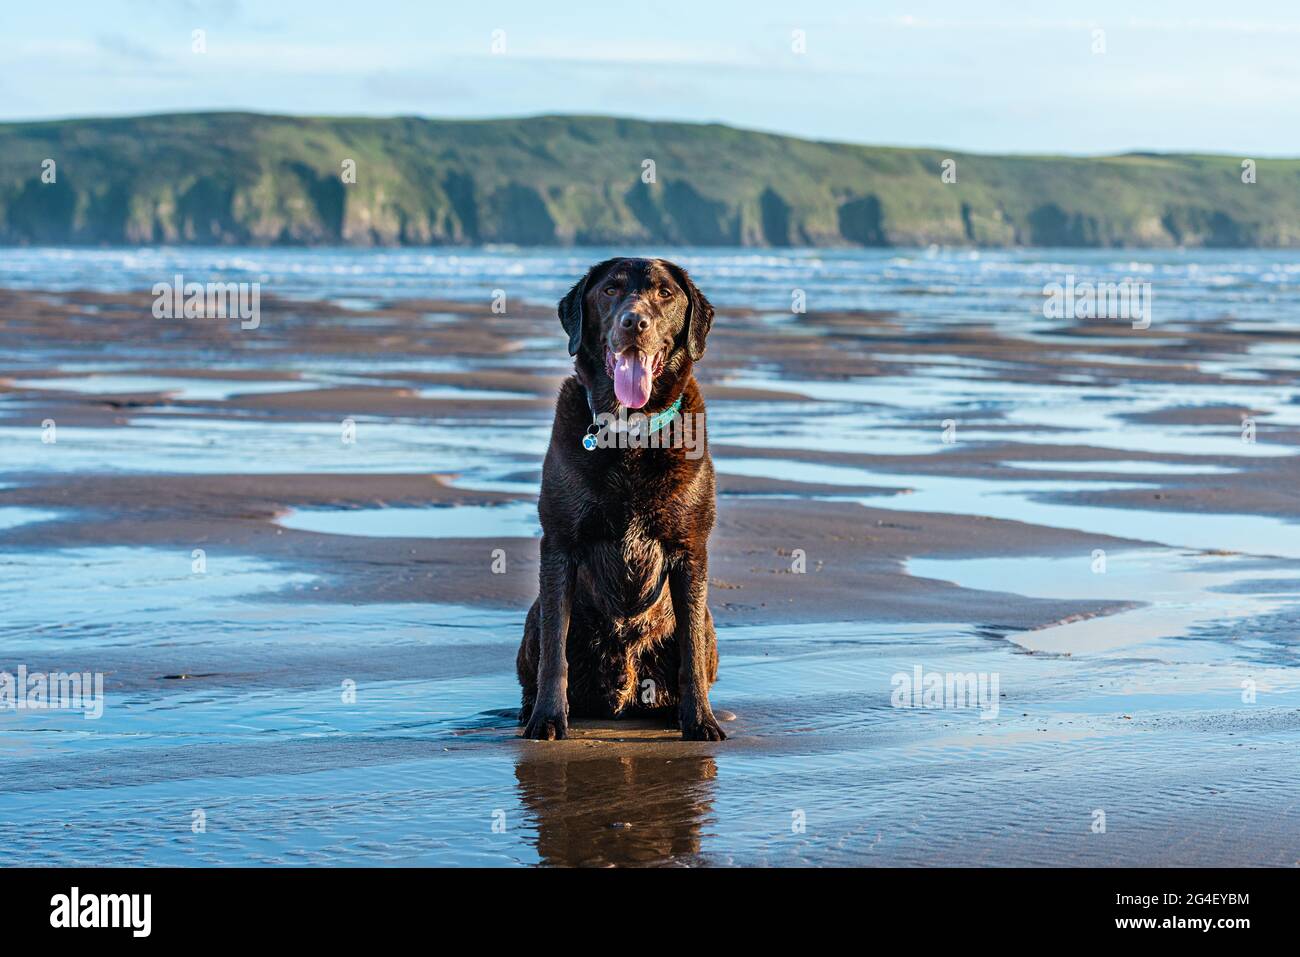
(630, 320)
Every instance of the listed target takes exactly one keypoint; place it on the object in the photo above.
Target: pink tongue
(632, 379)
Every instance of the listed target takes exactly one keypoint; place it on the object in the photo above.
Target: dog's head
(639, 322)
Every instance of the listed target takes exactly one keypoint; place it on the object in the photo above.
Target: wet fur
(626, 531)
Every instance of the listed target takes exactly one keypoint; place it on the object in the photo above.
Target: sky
(989, 77)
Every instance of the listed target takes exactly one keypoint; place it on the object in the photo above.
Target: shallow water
(1043, 413)
(1179, 593)
(1120, 466)
(510, 520)
(181, 388)
(198, 444)
(1025, 500)
(410, 771)
(954, 285)
(103, 597)
(452, 392)
(376, 732)
(11, 517)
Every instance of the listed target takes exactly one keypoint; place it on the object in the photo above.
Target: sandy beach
(301, 556)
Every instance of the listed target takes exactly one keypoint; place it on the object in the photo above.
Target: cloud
(117, 45)
(216, 11)
(1150, 24)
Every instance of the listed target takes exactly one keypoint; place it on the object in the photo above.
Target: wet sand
(894, 495)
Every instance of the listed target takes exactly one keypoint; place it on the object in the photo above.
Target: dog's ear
(573, 306)
(699, 313)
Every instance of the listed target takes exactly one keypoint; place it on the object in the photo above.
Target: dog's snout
(630, 320)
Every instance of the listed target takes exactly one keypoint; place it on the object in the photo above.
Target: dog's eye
(610, 290)
(665, 292)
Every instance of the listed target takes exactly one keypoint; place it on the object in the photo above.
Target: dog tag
(589, 440)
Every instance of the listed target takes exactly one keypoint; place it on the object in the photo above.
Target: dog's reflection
(617, 810)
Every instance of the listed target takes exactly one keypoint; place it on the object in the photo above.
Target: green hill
(238, 178)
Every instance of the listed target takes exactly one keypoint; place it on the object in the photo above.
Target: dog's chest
(630, 536)
(641, 548)
(640, 513)
(628, 572)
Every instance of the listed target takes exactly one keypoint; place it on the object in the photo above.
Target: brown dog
(621, 622)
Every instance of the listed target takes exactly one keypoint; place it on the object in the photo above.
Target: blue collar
(660, 419)
(655, 422)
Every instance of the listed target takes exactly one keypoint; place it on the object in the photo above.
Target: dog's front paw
(545, 725)
(701, 727)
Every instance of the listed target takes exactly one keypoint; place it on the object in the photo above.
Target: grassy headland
(239, 178)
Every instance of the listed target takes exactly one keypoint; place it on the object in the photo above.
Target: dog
(621, 623)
